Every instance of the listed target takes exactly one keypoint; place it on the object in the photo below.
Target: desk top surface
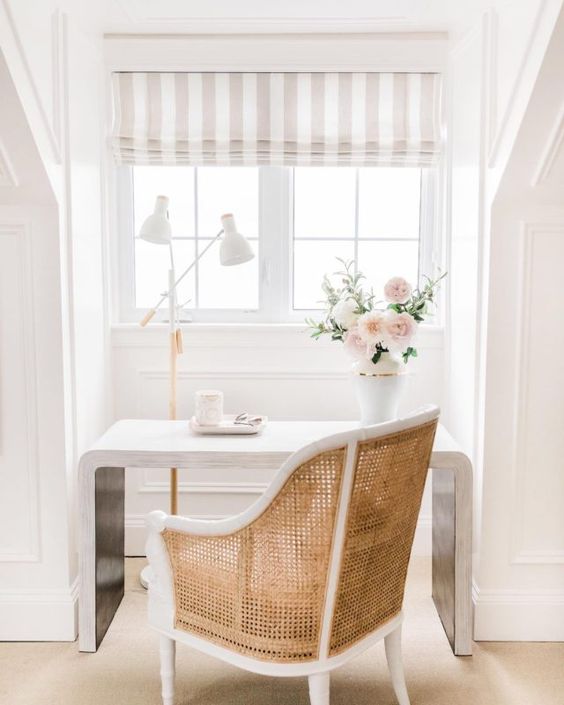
(158, 436)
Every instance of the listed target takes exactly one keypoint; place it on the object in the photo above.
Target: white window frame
(275, 251)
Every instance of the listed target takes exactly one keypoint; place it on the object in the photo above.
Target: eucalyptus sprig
(322, 327)
(352, 287)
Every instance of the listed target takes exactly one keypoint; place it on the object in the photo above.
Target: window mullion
(126, 241)
(196, 244)
(286, 253)
(273, 199)
(427, 264)
(356, 212)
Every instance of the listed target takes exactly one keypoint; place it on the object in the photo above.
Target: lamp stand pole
(175, 338)
(235, 250)
(176, 348)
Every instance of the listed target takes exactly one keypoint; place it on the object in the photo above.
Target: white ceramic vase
(379, 388)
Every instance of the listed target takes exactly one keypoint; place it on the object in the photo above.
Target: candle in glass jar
(209, 407)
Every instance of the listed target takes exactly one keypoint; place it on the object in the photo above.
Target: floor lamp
(234, 249)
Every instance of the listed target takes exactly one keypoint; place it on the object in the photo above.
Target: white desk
(162, 444)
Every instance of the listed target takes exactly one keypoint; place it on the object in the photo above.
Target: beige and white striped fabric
(349, 119)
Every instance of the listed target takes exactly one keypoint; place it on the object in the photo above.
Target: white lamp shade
(156, 227)
(234, 247)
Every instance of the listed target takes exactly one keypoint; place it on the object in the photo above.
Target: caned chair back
(387, 488)
(323, 562)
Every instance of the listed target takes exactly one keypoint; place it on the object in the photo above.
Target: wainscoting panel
(538, 532)
(19, 517)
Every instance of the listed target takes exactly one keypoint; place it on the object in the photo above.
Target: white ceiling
(223, 16)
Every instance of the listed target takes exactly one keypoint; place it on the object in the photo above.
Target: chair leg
(167, 650)
(319, 689)
(395, 664)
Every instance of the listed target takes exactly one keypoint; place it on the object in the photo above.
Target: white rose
(344, 314)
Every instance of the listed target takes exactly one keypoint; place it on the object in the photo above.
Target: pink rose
(355, 346)
(371, 328)
(397, 290)
(400, 329)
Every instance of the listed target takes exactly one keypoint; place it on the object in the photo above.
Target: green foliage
(410, 352)
(377, 355)
(352, 286)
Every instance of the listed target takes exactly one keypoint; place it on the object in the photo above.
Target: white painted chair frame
(161, 589)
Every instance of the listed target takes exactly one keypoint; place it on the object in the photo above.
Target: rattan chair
(311, 574)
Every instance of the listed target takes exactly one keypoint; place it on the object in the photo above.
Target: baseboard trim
(35, 614)
(518, 615)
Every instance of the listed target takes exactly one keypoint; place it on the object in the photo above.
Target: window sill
(215, 325)
(267, 335)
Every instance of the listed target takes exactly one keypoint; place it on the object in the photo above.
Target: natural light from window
(367, 215)
(370, 215)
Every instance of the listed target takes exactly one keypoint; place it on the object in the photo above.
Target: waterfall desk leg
(452, 549)
(102, 566)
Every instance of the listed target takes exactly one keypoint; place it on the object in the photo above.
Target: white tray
(227, 427)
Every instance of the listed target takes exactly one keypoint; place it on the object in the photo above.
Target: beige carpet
(125, 669)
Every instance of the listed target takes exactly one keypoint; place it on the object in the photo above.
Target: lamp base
(145, 576)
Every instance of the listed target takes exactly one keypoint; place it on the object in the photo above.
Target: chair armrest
(202, 527)
(163, 592)
(162, 583)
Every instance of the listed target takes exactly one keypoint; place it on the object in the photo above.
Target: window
(368, 215)
(197, 198)
(298, 222)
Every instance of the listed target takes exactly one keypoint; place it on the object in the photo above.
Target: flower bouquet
(377, 335)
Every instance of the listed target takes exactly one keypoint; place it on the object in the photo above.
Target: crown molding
(261, 24)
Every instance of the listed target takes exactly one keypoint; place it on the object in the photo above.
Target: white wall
(54, 362)
(87, 280)
(506, 250)
(521, 570)
(37, 595)
(463, 224)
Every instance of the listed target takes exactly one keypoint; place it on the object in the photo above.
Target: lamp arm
(163, 298)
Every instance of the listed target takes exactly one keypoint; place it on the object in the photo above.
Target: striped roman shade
(348, 119)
